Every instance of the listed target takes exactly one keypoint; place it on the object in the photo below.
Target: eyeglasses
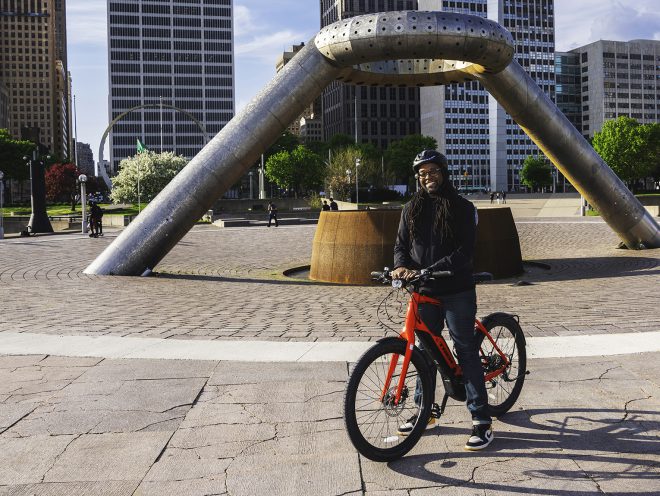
(428, 173)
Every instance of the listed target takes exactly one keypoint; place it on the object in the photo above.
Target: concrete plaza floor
(106, 424)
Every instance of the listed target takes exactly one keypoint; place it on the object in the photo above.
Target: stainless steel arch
(406, 48)
(114, 121)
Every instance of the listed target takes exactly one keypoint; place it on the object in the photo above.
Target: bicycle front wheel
(504, 389)
(372, 415)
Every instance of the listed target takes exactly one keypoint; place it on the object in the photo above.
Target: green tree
(287, 142)
(400, 154)
(301, 169)
(536, 172)
(12, 152)
(155, 171)
(630, 149)
(339, 141)
(337, 180)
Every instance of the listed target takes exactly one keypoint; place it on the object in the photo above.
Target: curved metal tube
(553, 133)
(416, 49)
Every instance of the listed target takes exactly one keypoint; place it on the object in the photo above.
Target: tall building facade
(33, 72)
(376, 115)
(618, 78)
(484, 145)
(180, 53)
(567, 87)
(85, 158)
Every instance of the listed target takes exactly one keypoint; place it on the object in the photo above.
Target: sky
(263, 29)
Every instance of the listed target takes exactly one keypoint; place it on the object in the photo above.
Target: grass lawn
(65, 209)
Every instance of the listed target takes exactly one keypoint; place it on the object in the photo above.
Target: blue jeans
(459, 310)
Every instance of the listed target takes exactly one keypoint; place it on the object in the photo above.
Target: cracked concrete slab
(25, 461)
(319, 473)
(92, 488)
(102, 457)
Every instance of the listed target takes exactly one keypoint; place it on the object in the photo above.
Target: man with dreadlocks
(438, 231)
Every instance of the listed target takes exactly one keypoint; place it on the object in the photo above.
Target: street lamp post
(554, 180)
(83, 200)
(250, 175)
(348, 174)
(2, 192)
(262, 189)
(357, 197)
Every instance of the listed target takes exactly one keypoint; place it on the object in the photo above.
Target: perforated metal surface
(410, 48)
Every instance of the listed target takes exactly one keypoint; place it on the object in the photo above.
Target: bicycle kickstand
(438, 410)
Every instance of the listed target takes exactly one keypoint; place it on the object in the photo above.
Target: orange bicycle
(393, 380)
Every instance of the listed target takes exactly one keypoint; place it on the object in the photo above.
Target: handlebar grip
(376, 274)
(442, 273)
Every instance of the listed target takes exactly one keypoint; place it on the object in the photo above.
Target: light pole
(262, 189)
(357, 193)
(348, 174)
(250, 175)
(554, 180)
(2, 192)
(83, 201)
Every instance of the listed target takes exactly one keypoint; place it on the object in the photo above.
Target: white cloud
(86, 22)
(268, 47)
(586, 21)
(243, 21)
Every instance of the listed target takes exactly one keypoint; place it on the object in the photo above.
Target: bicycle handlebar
(423, 275)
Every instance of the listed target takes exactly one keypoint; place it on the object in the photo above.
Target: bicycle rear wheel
(503, 390)
(372, 423)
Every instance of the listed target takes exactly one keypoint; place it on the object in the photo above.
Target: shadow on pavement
(598, 438)
(569, 269)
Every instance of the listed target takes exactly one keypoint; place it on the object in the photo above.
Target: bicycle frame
(413, 323)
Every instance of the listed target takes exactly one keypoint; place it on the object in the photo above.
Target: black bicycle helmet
(429, 156)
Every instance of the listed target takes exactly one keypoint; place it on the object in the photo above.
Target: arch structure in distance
(99, 164)
(404, 48)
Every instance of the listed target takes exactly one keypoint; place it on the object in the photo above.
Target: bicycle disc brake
(392, 408)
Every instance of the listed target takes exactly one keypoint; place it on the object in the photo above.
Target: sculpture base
(348, 246)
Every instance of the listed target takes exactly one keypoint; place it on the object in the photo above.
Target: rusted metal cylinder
(347, 246)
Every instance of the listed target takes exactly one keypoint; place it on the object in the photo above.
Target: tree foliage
(400, 154)
(12, 152)
(155, 171)
(61, 182)
(629, 148)
(301, 169)
(343, 160)
(536, 172)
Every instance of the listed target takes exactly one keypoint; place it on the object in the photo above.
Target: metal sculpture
(100, 168)
(406, 48)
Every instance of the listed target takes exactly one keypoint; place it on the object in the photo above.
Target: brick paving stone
(218, 284)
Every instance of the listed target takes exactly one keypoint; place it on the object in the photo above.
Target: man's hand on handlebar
(404, 273)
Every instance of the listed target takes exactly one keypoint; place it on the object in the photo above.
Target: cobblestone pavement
(228, 284)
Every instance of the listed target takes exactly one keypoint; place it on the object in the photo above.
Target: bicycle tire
(372, 367)
(504, 390)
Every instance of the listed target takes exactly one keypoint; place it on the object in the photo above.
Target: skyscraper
(376, 115)
(618, 78)
(480, 138)
(180, 53)
(33, 72)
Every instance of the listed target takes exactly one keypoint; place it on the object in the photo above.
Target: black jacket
(430, 251)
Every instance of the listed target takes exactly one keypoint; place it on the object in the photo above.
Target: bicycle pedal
(435, 411)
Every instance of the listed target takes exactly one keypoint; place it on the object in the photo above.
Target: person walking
(437, 230)
(272, 213)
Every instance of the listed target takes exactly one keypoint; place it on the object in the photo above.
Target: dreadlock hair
(440, 203)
